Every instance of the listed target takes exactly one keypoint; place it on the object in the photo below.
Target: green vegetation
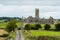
(19, 24)
(35, 30)
(4, 25)
(57, 27)
(42, 31)
(4, 35)
(34, 34)
(13, 35)
(33, 26)
(47, 27)
(27, 27)
(11, 26)
(37, 26)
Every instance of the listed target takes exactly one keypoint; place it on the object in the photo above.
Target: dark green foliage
(32, 27)
(19, 28)
(27, 27)
(58, 19)
(11, 26)
(37, 26)
(4, 35)
(57, 26)
(47, 27)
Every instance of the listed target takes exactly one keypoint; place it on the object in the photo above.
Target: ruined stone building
(36, 19)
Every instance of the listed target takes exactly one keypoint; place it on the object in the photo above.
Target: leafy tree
(57, 26)
(27, 27)
(58, 19)
(32, 27)
(11, 26)
(47, 27)
(37, 26)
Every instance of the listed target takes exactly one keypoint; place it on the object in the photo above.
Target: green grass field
(3, 25)
(29, 35)
(41, 32)
(44, 33)
(19, 24)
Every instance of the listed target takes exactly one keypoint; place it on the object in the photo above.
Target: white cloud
(27, 8)
(31, 2)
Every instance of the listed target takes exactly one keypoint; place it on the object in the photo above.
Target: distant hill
(9, 18)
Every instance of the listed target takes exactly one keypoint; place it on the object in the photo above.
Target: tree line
(46, 27)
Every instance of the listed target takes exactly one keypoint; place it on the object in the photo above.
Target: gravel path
(19, 35)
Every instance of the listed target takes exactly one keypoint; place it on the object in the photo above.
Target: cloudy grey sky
(19, 8)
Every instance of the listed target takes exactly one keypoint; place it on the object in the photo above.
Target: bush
(4, 35)
(27, 27)
(19, 28)
(47, 27)
(57, 26)
(37, 26)
(32, 27)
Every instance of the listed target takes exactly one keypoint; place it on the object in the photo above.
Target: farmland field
(32, 34)
(3, 25)
(41, 32)
(44, 33)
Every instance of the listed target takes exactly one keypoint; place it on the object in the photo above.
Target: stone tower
(37, 13)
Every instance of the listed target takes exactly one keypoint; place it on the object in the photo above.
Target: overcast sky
(19, 8)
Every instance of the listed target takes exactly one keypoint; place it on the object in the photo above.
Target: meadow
(41, 32)
(44, 33)
(4, 24)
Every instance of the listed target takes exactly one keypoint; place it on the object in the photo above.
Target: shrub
(57, 26)
(37, 26)
(19, 28)
(47, 27)
(32, 27)
(4, 35)
(27, 27)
